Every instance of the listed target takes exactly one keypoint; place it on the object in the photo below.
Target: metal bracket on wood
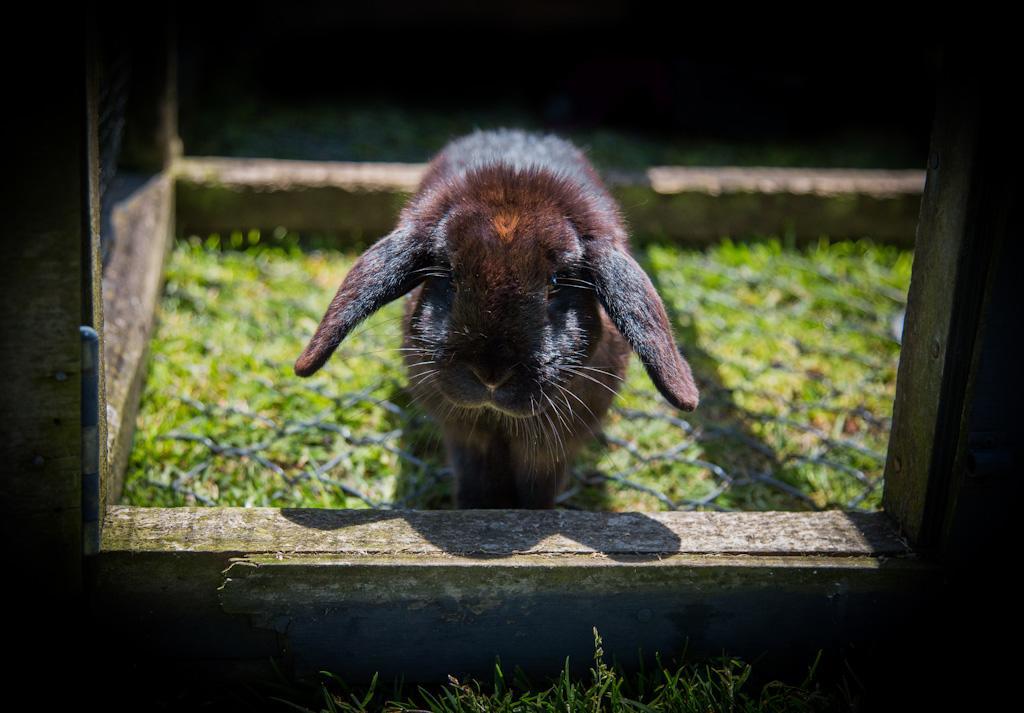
(90, 440)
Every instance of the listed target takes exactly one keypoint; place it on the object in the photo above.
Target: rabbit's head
(511, 268)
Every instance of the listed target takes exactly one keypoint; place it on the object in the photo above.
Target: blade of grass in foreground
(723, 684)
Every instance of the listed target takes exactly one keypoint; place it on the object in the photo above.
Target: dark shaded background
(831, 95)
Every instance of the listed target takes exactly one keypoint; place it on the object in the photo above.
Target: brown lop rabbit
(525, 303)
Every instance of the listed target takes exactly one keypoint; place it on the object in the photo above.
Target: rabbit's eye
(552, 286)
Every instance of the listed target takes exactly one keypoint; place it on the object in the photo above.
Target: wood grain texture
(430, 593)
(685, 204)
(496, 533)
(943, 305)
(143, 224)
(92, 294)
(41, 296)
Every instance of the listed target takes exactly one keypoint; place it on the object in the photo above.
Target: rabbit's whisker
(472, 429)
(422, 377)
(579, 286)
(373, 323)
(599, 371)
(573, 414)
(438, 268)
(570, 392)
(558, 414)
(420, 363)
(588, 377)
(554, 433)
(365, 352)
(420, 396)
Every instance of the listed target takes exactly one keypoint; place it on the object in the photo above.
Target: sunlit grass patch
(793, 349)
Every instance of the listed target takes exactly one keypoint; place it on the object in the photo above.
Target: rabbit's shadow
(494, 534)
(422, 479)
(421, 521)
(633, 536)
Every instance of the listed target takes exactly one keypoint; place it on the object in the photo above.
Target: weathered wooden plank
(143, 225)
(497, 533)
(429, 619)
(951, 260)
(678, 203)
(353, 201)
(41, 308)
(94, 432)
(164, 606)
(425, 594)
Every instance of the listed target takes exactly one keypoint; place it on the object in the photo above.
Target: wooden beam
(431, 593)
(499, 533)
(143, 225)
(952, 261)
(94, 420)
(45, 238)
(698, 205)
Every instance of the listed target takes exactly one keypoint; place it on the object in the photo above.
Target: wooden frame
(232, 588)
(423, 594)
(433, 593)
(964, 225)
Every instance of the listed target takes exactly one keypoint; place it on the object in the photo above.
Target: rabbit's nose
(491, 378)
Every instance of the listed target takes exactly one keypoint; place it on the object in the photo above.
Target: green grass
(792, 348)
(722, 684)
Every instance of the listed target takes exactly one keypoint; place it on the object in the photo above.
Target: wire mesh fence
(795, 352)
(433, 474)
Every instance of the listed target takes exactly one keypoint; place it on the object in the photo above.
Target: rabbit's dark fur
(525, 303)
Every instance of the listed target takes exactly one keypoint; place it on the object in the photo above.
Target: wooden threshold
(438, 592)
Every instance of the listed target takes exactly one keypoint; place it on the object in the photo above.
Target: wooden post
(953, 473)
(953, 259)
(49, 242)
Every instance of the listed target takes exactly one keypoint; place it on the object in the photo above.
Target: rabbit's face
(510, 269)
(508, 313)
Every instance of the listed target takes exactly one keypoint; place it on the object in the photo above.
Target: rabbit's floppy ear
(631, 301)
(383, 273)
